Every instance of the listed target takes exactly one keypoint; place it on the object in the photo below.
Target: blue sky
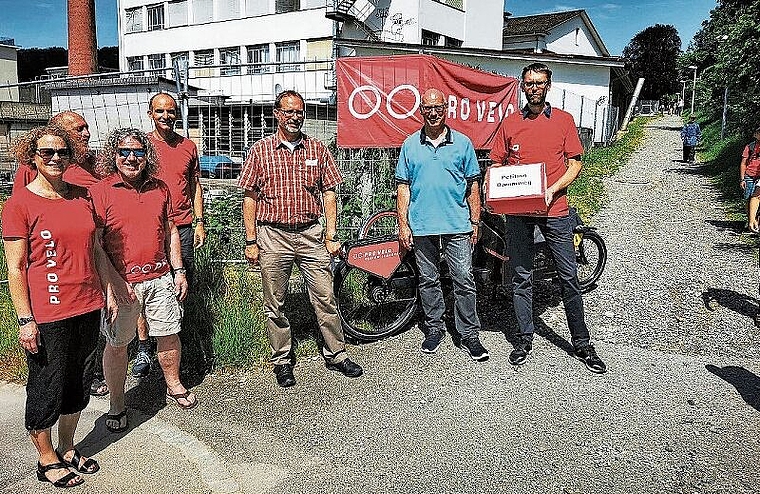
(40, 23)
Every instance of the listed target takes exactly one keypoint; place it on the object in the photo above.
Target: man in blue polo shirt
(438, 204)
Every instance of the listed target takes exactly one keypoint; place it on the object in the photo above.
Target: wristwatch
(179, 270)
(23, 321)
(249, 243)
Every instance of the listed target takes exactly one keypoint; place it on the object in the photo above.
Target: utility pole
(693, 88)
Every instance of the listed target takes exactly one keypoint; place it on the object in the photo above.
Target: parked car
(218, 166)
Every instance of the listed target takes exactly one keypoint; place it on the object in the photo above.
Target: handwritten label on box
(516, 181)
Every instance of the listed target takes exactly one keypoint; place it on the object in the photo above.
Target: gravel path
(676, 413)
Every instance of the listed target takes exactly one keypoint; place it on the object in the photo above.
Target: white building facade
(249, 50)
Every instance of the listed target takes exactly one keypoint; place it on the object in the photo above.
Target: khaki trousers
(279, 249)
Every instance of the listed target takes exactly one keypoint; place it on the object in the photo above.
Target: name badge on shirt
(311, 162)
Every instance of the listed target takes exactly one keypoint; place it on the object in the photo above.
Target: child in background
(749, 173)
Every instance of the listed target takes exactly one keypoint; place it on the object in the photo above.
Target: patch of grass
(722, 158)
(587, 193)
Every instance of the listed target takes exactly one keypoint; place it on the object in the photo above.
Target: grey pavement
(677, 412)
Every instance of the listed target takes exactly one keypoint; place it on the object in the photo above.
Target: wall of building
(8, 73)
(565, 40)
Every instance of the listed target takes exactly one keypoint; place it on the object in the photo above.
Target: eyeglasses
(48, 153)
(433, 108)
(125, 152)
(538, 84)
(290, 113)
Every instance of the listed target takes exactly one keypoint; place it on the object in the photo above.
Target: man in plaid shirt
(289, 178)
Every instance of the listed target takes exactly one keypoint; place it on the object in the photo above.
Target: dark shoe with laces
(588, 356)
(347, 367)
(432, 341)
(284, 375)
(474, 349)
(520, 354)
(142, 364)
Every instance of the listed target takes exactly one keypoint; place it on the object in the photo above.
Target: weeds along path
(680, 278)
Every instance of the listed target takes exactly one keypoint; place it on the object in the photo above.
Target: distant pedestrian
(438, 205)
(289, 180)
(690, 135)
(749, 176)
(679, 107)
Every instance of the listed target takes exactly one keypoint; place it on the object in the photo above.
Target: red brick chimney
(83, 44)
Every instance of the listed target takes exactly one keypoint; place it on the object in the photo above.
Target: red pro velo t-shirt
(134, 226)
(549, 138)
(178, 169)
(61, 273)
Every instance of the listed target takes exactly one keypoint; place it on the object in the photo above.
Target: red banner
(379, 99)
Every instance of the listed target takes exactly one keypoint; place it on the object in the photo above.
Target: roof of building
(543, 24)
(536, 24)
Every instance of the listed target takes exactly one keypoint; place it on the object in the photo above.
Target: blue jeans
(559, 236)
(457, 251)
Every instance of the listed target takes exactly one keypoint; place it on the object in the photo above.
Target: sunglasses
(48, 153)
(125, 152)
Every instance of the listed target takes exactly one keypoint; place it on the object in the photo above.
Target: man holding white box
(542, 134)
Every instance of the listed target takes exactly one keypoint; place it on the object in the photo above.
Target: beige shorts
(157, 301)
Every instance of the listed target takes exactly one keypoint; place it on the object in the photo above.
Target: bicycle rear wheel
(372, 308)
(380, 224)
(591, 257)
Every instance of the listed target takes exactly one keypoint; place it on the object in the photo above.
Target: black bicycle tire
(588, 283)
(374, 218)
(395, 327)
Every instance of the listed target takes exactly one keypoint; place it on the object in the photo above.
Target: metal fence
(224, 125)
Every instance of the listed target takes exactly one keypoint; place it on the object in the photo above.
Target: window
(155, 17)
(156, 61)
(288, 52)
(457, 4)
(231, 57)
(178, 13)
(204, 57)
(182, 58)
(203, 11)
(133, 18)
(258, 54)
(453, 42)
(429, 38)
(227, 9)
(282, 6)
(135, 63)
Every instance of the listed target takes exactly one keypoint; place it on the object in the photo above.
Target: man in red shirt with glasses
(289, 181)
(542, 134)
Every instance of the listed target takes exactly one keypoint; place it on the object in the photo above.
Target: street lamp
(694, 87)
(683, 96)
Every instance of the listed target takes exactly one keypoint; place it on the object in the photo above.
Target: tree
(32, 62)
(653, 54)
(726, 52)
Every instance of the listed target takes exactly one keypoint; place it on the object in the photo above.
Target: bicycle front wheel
(591, 257)
(372, 308)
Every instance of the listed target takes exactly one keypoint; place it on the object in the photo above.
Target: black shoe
(474, 349)
(432, 341)
(284, 374)
(588, 356)
(142, 363)
(520, 354)
(347, 368)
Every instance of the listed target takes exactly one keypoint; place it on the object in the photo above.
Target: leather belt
(289, 227)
